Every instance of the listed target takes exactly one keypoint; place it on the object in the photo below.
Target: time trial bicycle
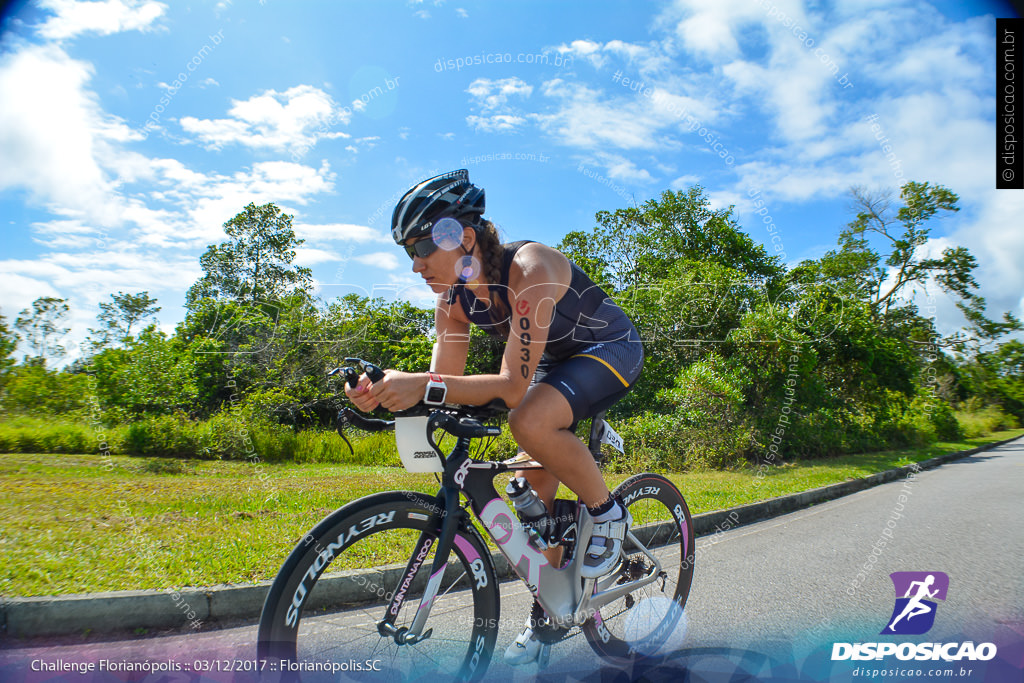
(429, 607)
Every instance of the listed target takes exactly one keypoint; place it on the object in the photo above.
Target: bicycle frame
(567, 599)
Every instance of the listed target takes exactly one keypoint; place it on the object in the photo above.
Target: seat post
(596, 431)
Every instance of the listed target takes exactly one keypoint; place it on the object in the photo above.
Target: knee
(518, 419)
(526, 422)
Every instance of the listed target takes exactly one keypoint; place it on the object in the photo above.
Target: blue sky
(130, 131)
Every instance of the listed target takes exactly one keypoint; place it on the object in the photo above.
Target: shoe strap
(615, 529)
(525, 637)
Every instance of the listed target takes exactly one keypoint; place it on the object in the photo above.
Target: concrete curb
(152, 609)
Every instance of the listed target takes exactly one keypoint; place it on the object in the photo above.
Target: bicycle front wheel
(324, 613)
(641, 623)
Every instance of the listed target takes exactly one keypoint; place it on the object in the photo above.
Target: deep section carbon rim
(650, 619)
(322, 615)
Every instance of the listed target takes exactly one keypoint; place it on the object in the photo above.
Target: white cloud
(52, 139)
(216, 198)
(492, 95)
(462, 13)
(72, 18)
(708, 28)
(498, 123)
(647, 58)
(684, 181)
(586, 120)
(293, 120)
(17, 292)
(340, 232)
(306, 256)
(621, 168)
(994, 238)
(584, 49)
(386, 260)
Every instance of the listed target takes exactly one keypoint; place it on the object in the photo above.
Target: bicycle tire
(300, 638)
(637, 626)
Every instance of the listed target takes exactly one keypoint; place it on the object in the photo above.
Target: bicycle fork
(450, 522)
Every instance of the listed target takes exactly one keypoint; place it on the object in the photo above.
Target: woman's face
(442, 267)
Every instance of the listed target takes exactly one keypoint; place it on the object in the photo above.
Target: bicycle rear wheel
(637, 625)
(321, 617)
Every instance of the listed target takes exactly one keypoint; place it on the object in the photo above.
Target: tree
(683, 273)
(8, 343)
(883, 277)
(40, 327)
(118, 317)
(639, 245)
(256, 263)
(153, 374)
(997, 376)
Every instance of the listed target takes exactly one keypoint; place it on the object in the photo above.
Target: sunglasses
(422, 248)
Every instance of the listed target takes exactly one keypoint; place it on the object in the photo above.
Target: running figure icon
(915, 607)
(917, 594)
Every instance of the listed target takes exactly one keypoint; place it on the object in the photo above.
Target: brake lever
(372, 371)
(351, 375)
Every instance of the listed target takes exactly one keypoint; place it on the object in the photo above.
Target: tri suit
(593, 354)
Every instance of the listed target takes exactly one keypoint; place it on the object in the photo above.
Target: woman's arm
(451, 350)
(537, 280)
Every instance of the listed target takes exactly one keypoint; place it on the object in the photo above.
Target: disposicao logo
(916, 593)
(914, 614)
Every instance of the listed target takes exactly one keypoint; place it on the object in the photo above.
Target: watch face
(436, 395)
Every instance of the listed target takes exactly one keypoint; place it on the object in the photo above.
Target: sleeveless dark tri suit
(593, 355)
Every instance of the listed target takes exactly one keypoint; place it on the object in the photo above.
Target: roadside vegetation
(751, 362)
(80, 523)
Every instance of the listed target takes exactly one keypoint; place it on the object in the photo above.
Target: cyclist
(570, 351)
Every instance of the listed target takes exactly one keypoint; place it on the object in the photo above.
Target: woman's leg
(540, 425)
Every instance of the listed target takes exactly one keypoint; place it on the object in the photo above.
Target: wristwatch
(436, 390)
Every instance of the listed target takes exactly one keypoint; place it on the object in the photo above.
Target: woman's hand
(361, 396)
(399, 390)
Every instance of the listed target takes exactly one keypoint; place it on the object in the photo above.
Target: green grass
(81, 523)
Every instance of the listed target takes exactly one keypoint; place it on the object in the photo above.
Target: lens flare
(447, 234)
(467, 267)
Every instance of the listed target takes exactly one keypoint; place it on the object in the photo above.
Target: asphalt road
(767, 599)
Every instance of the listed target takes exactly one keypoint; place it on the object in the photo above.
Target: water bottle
(532, 511)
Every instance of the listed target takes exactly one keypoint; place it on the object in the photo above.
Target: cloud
(292, 120)
(492, 95)
(387, 260)
(498, 123)
(340, 232)
(17, 292)
(684, 181)
(620, 168)
(306, 256)
(584, 49)
(583, 118)
(995, 242)
(72, 18)
(64, 233)
(647, 58)
(54, 140)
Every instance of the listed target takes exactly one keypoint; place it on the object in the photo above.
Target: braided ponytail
(492, 257)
